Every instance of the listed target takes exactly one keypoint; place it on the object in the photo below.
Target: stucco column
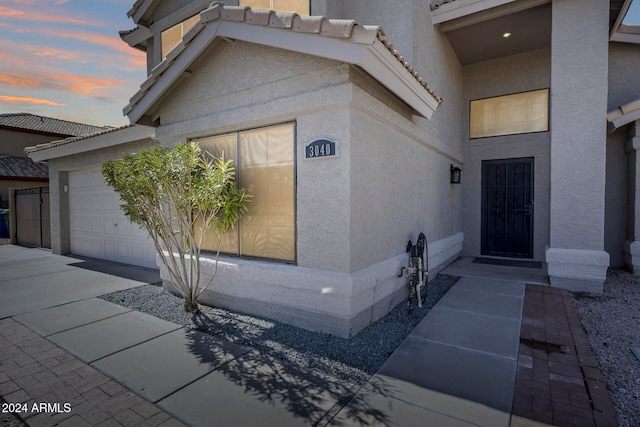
(59, 208)
(576, 258)
(632, 244)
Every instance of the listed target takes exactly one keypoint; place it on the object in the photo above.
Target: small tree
(177, 194)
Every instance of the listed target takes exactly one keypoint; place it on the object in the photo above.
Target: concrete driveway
(33, 279)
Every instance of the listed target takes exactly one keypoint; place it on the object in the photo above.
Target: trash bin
(4, 223)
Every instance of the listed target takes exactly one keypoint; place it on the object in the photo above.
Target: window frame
(238, 172)
(164, 55)
(548, 112)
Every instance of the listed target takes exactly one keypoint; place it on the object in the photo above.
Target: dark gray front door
(507, 208)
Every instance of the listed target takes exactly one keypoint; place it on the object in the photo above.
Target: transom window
(510, 114)
(264, 161)
(172, 36)
(299, 6)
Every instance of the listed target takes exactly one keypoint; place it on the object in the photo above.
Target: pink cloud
(84, 85)
(135, 57)
(38, 16)
(28, 100)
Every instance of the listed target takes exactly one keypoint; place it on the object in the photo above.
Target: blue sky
(633, 15)
(65, 59)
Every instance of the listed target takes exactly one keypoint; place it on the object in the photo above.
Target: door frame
(528, 209)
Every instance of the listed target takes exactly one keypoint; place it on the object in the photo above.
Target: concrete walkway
(458, 367)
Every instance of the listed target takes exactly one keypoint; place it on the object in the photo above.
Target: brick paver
(33, 371)
(558, 380)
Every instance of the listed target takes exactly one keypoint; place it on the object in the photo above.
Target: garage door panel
(99, 228)
(124, 250)
(111, 249)
(97, 224)
(97, 247)
(80, 223)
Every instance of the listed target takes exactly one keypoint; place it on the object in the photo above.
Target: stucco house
(21, 130)
(347, 118)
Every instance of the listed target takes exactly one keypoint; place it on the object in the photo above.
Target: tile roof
(22, 167)
(320, 26)
(71, 139)
(135, 8)
(26, 121)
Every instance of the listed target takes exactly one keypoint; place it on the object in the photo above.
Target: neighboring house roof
(22, 167)
(341, 40)
(31, 122)
(69, 140)
(623, 115)
(83, 144)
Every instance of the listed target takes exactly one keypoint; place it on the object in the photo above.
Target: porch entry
(507, 208)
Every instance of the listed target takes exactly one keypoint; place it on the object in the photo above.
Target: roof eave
(385, 68)
(364, 49)
(626, 34)
(171, 70)
(57, 149)
(138, 11)
(137, 38)
(460, 8)
(623, 120)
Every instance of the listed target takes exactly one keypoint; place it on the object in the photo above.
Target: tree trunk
(190, 306)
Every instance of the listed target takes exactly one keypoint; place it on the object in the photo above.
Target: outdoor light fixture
(455, 174)
(506, 35)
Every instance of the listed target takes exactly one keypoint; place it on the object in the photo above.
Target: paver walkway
(558, 380)
(35, 371)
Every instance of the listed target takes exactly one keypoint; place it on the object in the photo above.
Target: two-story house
(349, 119)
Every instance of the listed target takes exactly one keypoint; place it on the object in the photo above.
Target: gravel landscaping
(354, 359)
(612, 324)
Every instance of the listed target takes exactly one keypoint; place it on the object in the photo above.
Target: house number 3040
(320, 148)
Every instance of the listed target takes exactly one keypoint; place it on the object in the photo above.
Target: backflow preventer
(417, 270)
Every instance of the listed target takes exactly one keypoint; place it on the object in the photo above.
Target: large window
(264, 160)
(299, 6)
(511, 114)
(172, 36)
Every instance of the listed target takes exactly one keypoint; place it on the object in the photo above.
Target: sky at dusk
(65, 59)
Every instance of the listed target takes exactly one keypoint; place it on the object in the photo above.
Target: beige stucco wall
(399, 184)
(355, 213)
(576, 259)
(518, 73)
(624, 63)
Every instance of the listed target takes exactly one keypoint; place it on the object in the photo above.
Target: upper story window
(510, 114)
(301, 7)
(172, 36)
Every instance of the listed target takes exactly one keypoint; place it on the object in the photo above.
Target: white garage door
(99, 229)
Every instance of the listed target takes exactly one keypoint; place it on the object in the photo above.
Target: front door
(507, 208)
